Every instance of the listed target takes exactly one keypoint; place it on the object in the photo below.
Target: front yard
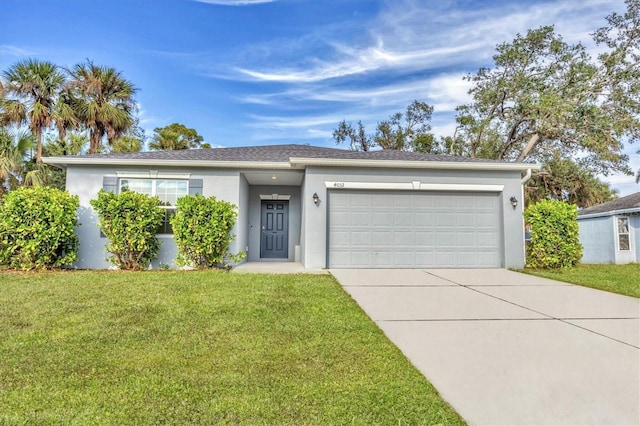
(621, 279)
(199, 348)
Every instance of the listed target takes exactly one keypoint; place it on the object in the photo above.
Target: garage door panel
(414, 229)
(465, 239)
(445, 219)
(382, 258)
(380, 218)
(361, 239)
(487, 239)
(404, 238)
(424, 218)
(424, 239)
(445, 238)
(360, 218)
(446, 258)
(404, 259)
(485, 219)
(425, 257)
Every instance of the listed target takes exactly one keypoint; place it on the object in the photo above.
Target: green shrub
(202, 231)
(37, 228)
(130, 221)
(554, 235)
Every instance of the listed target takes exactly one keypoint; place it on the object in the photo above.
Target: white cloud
(408, 37)
(8, 50)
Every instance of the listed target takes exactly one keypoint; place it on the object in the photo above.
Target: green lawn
(199, 348)
(622, 279)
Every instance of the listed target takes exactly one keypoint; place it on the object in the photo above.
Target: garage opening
(414, 229)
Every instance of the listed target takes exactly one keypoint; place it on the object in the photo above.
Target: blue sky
(254, 72)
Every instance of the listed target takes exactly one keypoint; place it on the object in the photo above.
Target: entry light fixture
(316, 199)
(514, 202)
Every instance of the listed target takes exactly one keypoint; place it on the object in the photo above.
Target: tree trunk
(94, 140)
(39, 145)
(527, 149)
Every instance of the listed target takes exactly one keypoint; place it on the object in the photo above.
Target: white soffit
(414, 186)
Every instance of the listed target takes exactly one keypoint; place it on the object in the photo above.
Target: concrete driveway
(508, 348)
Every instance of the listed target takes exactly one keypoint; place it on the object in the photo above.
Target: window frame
(620, 234)
(169, 209)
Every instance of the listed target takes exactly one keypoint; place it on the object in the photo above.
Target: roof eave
(403, 164)
(101, 161)
(293, 163)
(610, 213)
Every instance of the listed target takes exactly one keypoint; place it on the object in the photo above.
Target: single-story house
(610, 232)
(325, 207)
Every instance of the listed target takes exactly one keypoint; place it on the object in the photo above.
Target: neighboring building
(610, 232)
(325, 207)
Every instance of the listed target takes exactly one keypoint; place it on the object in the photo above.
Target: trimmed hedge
(554, 235)
(202, 231)
(37, 228)
(130, 221)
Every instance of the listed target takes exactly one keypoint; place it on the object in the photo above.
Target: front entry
(274, 239)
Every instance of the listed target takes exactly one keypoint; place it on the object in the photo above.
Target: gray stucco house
(610, 232)
(325, 207)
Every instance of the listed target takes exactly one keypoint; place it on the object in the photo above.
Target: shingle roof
(624, 203)
(282, 153)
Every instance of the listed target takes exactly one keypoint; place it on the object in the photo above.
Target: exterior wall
(635, 229)
(315, 220)
(87, 181)
(254, 219)
(242, 223)
(598, 239)
(307, 222)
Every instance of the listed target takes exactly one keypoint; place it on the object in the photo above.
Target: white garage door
(400, 229)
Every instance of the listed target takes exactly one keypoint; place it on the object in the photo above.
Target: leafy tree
(130, 221)
(202, 230)
(555, 242)
(104, 102)
(37, 228)
(546, 98)
(568, 180)
(31, 88)
(358, 138)
(175, 136)
(412, 134)
(408, 131)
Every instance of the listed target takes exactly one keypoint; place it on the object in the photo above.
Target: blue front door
(274, 240)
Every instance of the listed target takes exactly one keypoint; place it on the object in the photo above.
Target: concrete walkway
(508, 348)
(275, 268)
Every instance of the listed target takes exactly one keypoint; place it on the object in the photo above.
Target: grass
(621, 279)
(199, 348)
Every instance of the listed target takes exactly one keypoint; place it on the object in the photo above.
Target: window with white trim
(168, 190)
(623, 233)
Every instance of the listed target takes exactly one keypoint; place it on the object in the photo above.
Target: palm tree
(64, 114)
(13, 151)
(105, 102)
(31, 88)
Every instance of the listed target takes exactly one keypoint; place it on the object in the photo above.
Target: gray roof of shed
(282, 153)
(630, 202)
